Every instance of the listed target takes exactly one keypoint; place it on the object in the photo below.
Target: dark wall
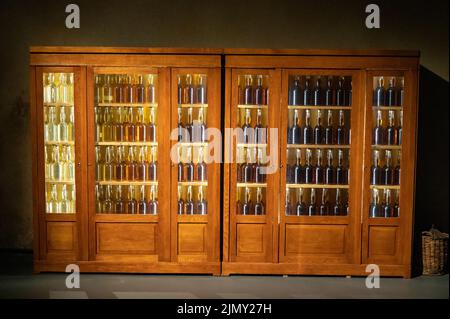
(208, 23)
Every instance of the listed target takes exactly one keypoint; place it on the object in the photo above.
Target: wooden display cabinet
(106, 197)
(335, 235)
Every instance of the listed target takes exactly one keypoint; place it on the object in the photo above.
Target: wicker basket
(434, 252)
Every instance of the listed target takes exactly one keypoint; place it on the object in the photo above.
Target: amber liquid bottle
(140, 126)
(201, 167)
(312, 207)
(118, 89)
(142, 203)
(131, 89)
(121, 166)
(330, 172)
(324, 209)
(180, 126)
(260, 94)
(119, 204)
(319, 131)
(330, 133)
(298, 169)
(307, 129)
(108, 206)
(258, 209)
(201, 127)
(259, 174)
(180, 202)
(142, 165)
(295, 132)
(379, 93)
(130, 128)
(247, 127)
(98, 199)
(341, 170)
(260, 130)
(131, 201)
(248, 91)
(391, 131)
(319, 169)
(153, 203)
(400, 129)
(307, 96)
(189, 127)
(150, 90)
(300, 209)
(247, 169)
(378, 131)
(309, 168)
(109, 166)
(317, 94)
(150, 130)
(189, 91)
(119, 126)
(180, 92)
(202, 205)
(388, 172)
(152, 170)
(295, 94)
(375, 207)
(375, 170)
(288, 209)
(131, 164)
(180, 167)
(140, 90)
(189, 166)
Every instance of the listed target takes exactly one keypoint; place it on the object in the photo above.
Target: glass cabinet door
(319, 204)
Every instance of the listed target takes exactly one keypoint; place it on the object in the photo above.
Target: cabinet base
(128, 267)
(229, 268)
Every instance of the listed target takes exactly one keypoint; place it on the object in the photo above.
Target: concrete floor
(16, 281)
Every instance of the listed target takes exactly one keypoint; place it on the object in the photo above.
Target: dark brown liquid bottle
(391, 93)
(153, 165)
(340, 93)
(247, 169)
(330, 133)
(247, 127)
(201, 127)
(317, 94)
(379, 93)
(130, 128)
(259, 92)
(142, 165)
(375, 170)
(150, 90)
(142, 203)
(189, 127)
(259, 205)
(324, 209)
(150, 130)
(388, 173)
(119, 204)
(400, 129)
(397, 171)
(180, 166)
(201, 91)
(131, 205)
(189, 91)
(391, 131)
(298, 169)
(121, 166)
(396, 205)
(309, 168)
(329, 93)
(312, 207)
(341, 170)
(288, 209)
(248, 91)
(375, 207)
(342, 133)
(378, 131)
(338, 208)
(307, 129)
(131, 164)
(388, 208)
(202, 205)
(259, 174)
(295, 131)
(153, 203)
(260, 130)
(201, 167)
(295, 94)
(140, 90)
(180, 202)
(128, 90)
(307, 96)
(401, 93)
(300, 209)
(181, 128)
(180, 92)
(330, 172)
(319, 169)
(247, 205)
(118, 89)
(140, 126)
(319, 131)
(189, 166)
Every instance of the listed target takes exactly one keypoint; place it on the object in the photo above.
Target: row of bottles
(59, 124)
(126, 163)
(387, 207)
(60, 199)
(58, 88)
(190, 130)
(188, 171)
(253, 134)
(126, 199)
(393, 95)
(59, 163)
(253, 90)
(304, 133)
(317, 173)
(125, 88)
(251, 171)
(245, 205)
(389, 135)
(186, 205)
(386, 175)
(296, 206)
(313, 90)
(125, 124)
(192, 89)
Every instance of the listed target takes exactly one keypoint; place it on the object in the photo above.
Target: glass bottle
(319, 130)
(141, 128)
(70, 165)
(288, 209)
(330, 134)
(260, 92)
(300, 208)
(202, 205)
(247, 127)
(108, 207)
(375, 207)
(180, 126)
(309, 168)
(296, 92)
(201, 167)
(152, 206)
(396, 205)
(307, 92)
(48, 125)
(131, 201)
(378, 131)
(119, 204)
(330, 172)
(400, 129)
(152, 165)
(246, 207)
(397, 170)
(180, 166)
(312, 207)
(121, 166)
(401, 93)
(107, 125)
(201, 127)
(98, 199)
(348, 94)
(71, 89)
(130, 127)
(258, 172)
(64, 94)
(341, 170)
(329, 92)
(189, 127)
(189, 205)
(260, 130)
(317, 94)
(70, 124)
(150, 129)
(65, 207)
(324, 209)
(180, 92)
(289, 170)
(142, 204)
(375, 170)
(62, 126)
(54, 204)
(190, 90)
(298, 169)
(58, 171)
(180, 202)
(201, 91)
(119, 127)
(54, 92)
(340, 93)
(338, 208)
(150, 90)
(319, 169)
(140, 90)
(247, 169)
(295, 132)
(391, 98)
(118, 89)
(128, 90)
(307, 129)
(379, 93)
(248, 91)
(107, 90)
(258, 209)
(47, 95)
(189, 166)
(48, 164)
(388, 173)
(388, 209)
(142, 165)
(131, 164)
(342, 134)
(391, 131)
(99, 165)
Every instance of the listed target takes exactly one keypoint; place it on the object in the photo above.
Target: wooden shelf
(193, 183)
(251, 145)
(387, 108)
(138, 183)
(127, 104)
(59, 143)
(69, 182)
(385, 186)
(251, 106)
(334, 186)
(195, 105)
(387, 147)
(127, 143)
(318, 146)
(240, 185)
(198, 144)
(309, 107)
(58, 104)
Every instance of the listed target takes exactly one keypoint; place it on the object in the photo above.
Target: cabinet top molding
(217, 51)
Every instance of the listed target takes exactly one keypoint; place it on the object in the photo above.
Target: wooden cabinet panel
(61, 237)
(127, 238)
(192, 239)
(383, 242)
(250, 239)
